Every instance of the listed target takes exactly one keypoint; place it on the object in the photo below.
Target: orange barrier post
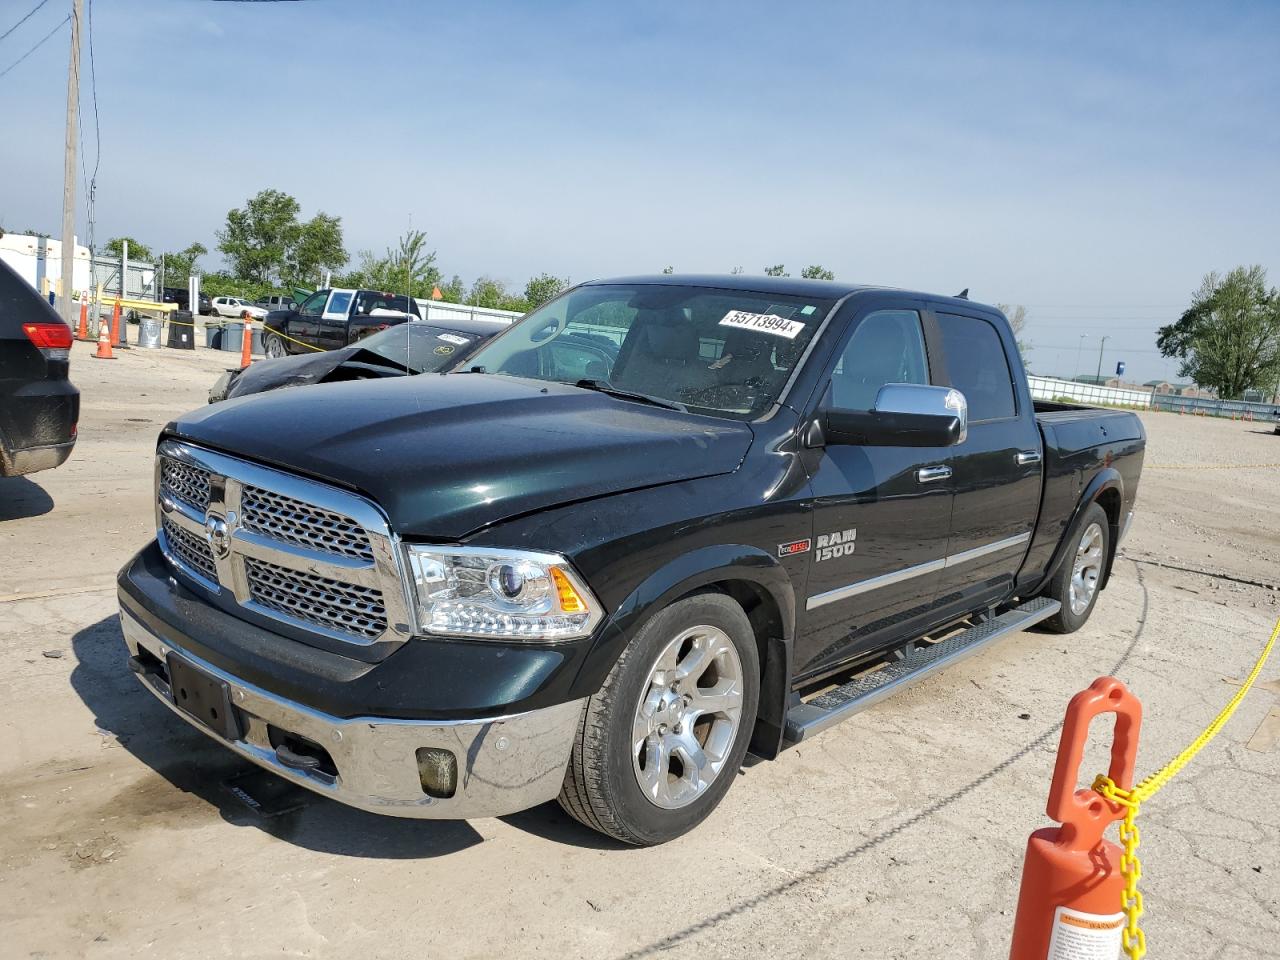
(246, 342)
(104, 342)
(115, 324)
(1071, 903)
(82, 333)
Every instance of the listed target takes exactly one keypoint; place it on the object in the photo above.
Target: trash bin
(149, 332)
(232, 334)
(181, 332)
(233, 337)
(213, 334)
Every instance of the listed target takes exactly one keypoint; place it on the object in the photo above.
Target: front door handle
(932, 474)
(1025, 457)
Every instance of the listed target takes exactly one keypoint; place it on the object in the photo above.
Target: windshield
(431, 349)
(723, 352)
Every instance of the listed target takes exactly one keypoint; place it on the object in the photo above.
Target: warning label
(1085, 936)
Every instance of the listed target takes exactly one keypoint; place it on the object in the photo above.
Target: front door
(306, 322)
(881, 514)
(334, 323)
(996, 472)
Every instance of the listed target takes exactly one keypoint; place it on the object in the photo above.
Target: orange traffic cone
(104, 341)
(83, 332)
(246, 342)
(1072, 888)
(115, 323)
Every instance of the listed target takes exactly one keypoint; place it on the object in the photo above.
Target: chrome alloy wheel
(1086, 569)
(688, 717)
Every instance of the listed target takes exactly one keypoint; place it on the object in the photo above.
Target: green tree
(777, 270)
(1017, 316)
(455, 291)
(265, 242)
(1229, 338)
(817, 272)
(178, 266)
(543, 288)
(409, 267)
(138, 251)
(318, 247)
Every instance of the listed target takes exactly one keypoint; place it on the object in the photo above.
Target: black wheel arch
(1107, 490)
(760, 585)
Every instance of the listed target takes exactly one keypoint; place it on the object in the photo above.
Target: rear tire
(274, 347)
(659, 745)
(1078, 581)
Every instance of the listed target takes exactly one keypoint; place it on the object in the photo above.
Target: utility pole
(1075, 372)
(1100, 346)
(69, 171)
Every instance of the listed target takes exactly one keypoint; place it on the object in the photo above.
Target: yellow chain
(1134, 940)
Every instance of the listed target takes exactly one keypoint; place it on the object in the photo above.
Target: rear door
(996, 472)
(882, 514)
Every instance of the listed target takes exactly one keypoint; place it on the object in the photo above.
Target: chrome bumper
(504, 764)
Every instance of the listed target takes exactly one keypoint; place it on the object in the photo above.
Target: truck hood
(444, 455)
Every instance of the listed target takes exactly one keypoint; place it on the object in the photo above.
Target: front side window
(340, 303)
(315, 302)
(978, 367)
(886, 347)
(722, 352)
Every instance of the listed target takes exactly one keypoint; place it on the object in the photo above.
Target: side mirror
(904, 415)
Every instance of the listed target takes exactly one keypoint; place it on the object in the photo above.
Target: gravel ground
(897, 834)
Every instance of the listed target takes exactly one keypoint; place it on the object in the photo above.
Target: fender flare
(1106, 479)
(684, 575)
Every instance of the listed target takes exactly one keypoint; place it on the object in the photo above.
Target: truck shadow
(195, 765)
(20, 498)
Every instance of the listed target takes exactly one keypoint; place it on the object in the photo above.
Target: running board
(806, 719)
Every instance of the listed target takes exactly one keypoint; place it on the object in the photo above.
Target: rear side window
(978, 366)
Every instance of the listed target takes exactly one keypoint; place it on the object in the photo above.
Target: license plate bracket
(204, 698)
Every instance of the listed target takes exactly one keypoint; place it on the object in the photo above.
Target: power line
(40, 43)
(24, 19)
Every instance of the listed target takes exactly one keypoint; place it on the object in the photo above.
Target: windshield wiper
(604, 386)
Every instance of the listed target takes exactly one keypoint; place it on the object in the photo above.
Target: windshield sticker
(807, 310)
(443, 351)
(453, 338)
(769, 323)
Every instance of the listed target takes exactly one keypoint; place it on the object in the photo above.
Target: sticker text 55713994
(769, 323)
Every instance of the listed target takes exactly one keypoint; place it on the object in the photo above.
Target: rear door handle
(1025, 457)
(932, 474)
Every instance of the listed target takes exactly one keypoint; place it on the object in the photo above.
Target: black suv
(38, 405)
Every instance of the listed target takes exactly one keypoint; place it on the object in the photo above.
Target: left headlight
(500, 594)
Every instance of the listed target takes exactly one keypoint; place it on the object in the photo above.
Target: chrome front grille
(194, 551)
(317, 600)
(305, 553)
(284, 518)
(188, 483)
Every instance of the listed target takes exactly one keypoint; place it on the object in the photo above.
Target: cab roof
(786, 286)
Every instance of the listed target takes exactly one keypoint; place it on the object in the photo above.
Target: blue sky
(1091, 161)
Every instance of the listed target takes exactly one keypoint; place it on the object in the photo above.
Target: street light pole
(1100, 348)
(1075, 371)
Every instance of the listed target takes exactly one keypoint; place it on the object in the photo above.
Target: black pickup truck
(333, 318)
(604, 574)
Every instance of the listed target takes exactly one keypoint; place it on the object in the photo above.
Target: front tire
(1078, 581)
(274, 347)
(659, 745)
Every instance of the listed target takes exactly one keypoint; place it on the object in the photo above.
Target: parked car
(605, 577)
(275, 303)
(182, 297)
(1277, 419)
(39, 408)
(236, 308)
(333, 318)
(405, 349)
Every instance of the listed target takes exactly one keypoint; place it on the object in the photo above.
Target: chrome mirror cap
(920, 399)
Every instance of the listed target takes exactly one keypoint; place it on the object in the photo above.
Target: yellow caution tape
(266, 330)
(1134, 940)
